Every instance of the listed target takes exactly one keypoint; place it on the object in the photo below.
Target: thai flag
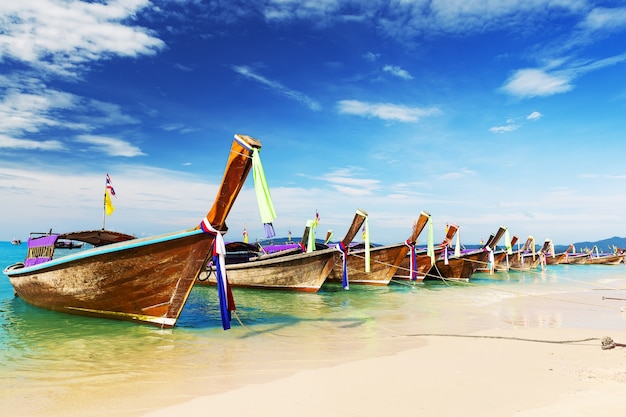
(109, 185)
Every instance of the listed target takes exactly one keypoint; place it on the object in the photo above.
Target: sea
(55, 364)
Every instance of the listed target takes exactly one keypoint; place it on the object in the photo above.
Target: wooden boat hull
(423, 265)
(524, 262)
(576, 259)
(556, 259)
(384, 262)
(142, 280)
(297, 272)
(606, 260)
(459, 267)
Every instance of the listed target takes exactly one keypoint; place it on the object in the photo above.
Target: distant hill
(604, 245)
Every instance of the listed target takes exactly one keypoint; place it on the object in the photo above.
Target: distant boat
(16, 242)
(287, 269)
(68, 244)
(462, 267)
(501, 257)
(144, 280)
(557, 258)
(384, 260)
(527, 257)
(604, 258)
(423, 261)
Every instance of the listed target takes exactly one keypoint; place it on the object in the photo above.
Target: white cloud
(463, 173)
(504, 128)
(606, 19)
(406, 18)
(534, 116)
(110, 146)
(371, 56)
(398, 72)
(25, 144)
(61, 36)
(29, 112)
(386, 111)
(277, 87)
(532, 82)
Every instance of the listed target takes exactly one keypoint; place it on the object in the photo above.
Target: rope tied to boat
(225, 295)
(341, 247)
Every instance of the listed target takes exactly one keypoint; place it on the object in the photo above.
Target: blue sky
(482, 113)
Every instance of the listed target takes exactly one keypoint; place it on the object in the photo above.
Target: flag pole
(104, 205)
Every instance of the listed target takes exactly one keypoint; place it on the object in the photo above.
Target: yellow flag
(108, 205)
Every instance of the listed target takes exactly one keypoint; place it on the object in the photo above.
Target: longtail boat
(501, 258)
(528, 258)
(423, 261)
(143, 280)
(383, 260)
(604, 258)
(553, 258)
(461, 267)
(289, 269)
(576, 258)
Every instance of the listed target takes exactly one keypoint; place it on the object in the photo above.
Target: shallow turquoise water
(59, 364)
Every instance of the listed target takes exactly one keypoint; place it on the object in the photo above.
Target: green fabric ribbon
(263, 197)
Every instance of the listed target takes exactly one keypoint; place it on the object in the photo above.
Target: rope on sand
(607, 342)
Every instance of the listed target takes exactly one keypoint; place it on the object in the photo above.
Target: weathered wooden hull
(556, 259)
(606, 260)
(576, 259)
(524, 261)
(422, 266)
(297, 272)
(143, 280)
(384, 262)
(459, 267)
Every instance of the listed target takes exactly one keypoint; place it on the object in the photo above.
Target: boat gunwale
(279, 259)
(101, 250)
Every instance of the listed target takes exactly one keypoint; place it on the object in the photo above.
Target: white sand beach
(446, 376)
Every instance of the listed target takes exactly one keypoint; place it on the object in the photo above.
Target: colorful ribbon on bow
(344, 257)
(225, 295)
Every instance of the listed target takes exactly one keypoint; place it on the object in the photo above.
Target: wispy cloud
(344, 181)
(504, 128)
(398, 72)
(7, 142)
(463, 173)
(513, 124)
(407, 18)
(556, 79)
(605, 19)
(371, 56)
(26, 111)
(110, 146)
(277, 87)
(532, 82)
(386, 111)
